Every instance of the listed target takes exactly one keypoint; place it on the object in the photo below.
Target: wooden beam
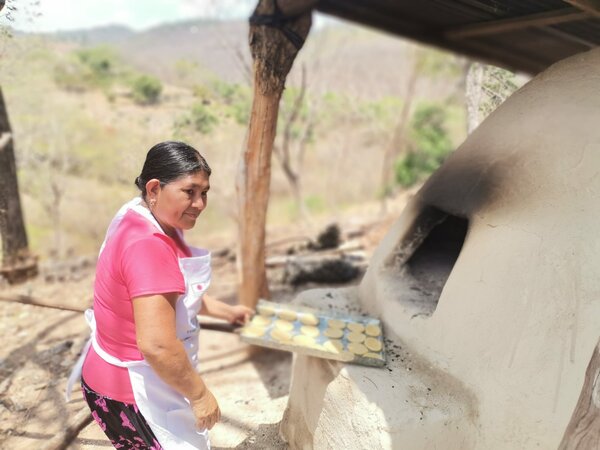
(563, 35)
(590, 6)
(517, 23)
(273, 54)
(402, 26)
(296, 7)
(583, 431)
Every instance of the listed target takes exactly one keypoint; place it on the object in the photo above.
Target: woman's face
(179, 203)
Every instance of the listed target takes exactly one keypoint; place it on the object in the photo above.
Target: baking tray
(307, 331)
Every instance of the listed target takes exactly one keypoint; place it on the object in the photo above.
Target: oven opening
(434, 248)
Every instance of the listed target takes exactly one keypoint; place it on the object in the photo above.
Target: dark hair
(168, 161)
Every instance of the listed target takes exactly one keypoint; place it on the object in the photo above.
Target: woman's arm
(154, 317)
(232, 313)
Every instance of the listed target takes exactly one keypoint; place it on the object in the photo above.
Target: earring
(152, 203)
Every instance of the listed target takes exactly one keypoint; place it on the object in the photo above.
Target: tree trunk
(474, 92)
(398, 141)
(17, 263)
(273, 55)
(583, 431)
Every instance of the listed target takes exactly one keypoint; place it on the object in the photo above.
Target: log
(63, 439)
(274, 47)
(583, 431)
(28, 300)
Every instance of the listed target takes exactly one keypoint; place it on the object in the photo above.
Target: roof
(521, 35)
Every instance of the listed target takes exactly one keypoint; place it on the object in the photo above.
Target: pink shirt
(137, 260)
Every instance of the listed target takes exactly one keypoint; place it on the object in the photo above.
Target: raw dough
(333, 333)
(284, 325)
(309, 319)
(373, 355)
(309, 331)
(356, 337)
(357, 348)
(335, 323)
(287, 314)
(281, 335)
(373, 344)
(356, 327)
(373, 330)
(265, 310)
(261, 321)
(253, 331)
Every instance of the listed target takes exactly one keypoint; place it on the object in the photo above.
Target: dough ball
(260, 321)
(309, 319)
(265, 310)
(356, 327)
(284, 325)
(356, 337)
(373, 344)
(335, 323)
(287, 314)
(309, 331)
(373, 330)
(281, 335)
(253, 331)
(334, 333)
(347, 356)
(357, 349)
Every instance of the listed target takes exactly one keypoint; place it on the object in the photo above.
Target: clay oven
(487, 286)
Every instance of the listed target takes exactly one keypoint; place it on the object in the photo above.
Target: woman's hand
(206, 410)
(236, 314)
(239, 314)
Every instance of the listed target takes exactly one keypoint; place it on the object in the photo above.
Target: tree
(487, 87)
(273, 54)
(17, 262)
(298, 126)
(146, 89)
(422, 62)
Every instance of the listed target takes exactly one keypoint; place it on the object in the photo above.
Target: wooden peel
(223, 327)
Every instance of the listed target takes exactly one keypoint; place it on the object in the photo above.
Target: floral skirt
(122, 422)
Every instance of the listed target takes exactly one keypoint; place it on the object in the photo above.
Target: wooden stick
(28, 300)
(64, 438)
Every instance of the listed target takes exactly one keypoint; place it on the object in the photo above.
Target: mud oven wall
(487, 286)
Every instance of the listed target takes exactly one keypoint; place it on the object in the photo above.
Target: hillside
(81, 135)
(344, 57)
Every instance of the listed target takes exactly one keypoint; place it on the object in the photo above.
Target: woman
(139, 377)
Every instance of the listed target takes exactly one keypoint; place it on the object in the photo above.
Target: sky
(55, 15)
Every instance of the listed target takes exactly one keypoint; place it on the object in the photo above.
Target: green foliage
(225, 92)
(315, 203)
(89, 68)
(241, 107)
(430, 143)
(202, 92)
(146, 89)
(498, 85)
(200, 118)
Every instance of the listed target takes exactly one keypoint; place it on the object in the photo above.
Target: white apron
(167, 412)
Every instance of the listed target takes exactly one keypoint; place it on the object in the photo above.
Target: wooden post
(273, 53)
(583, 431)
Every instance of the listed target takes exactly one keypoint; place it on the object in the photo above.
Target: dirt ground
(40, 345)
